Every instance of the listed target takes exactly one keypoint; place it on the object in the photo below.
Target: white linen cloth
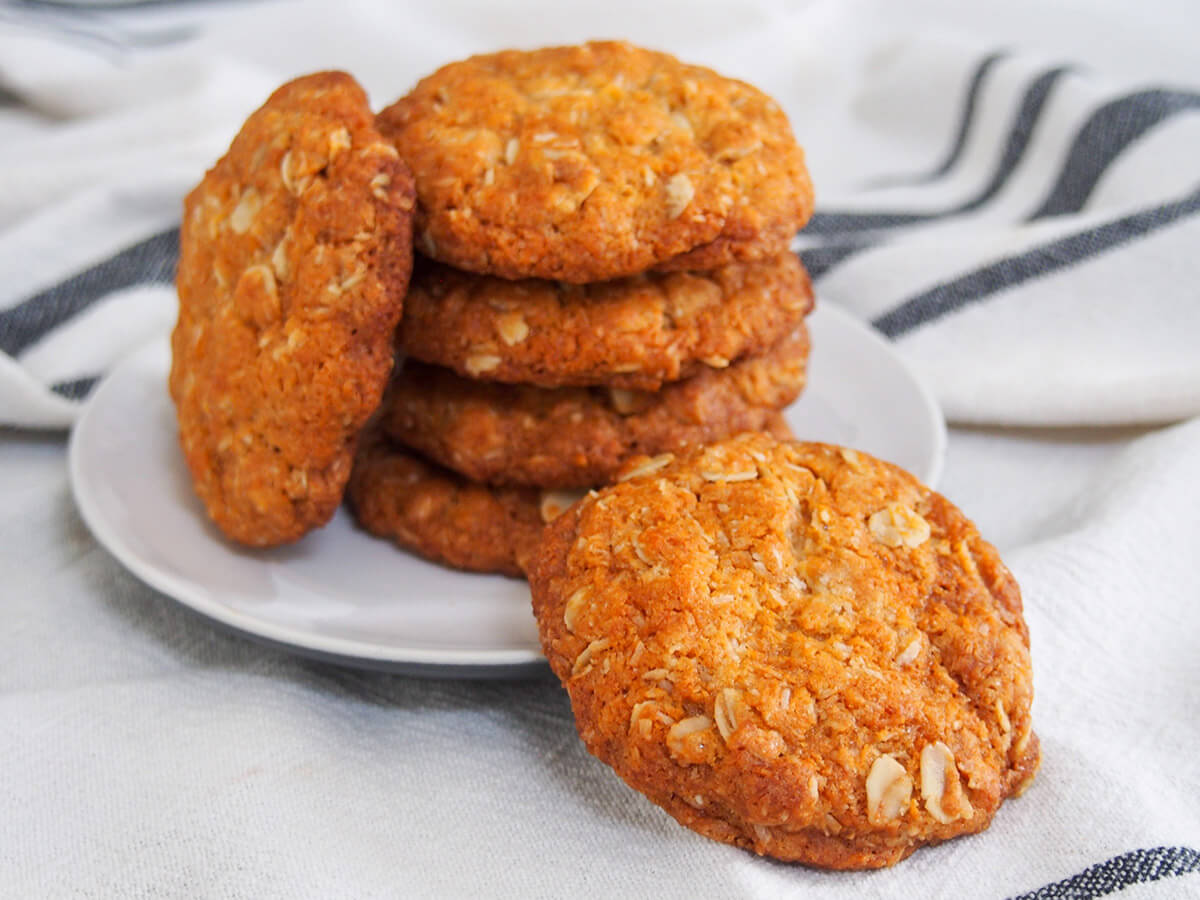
(1010, 194)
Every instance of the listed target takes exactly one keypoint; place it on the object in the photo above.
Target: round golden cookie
(794, 648)
(578, 437)
(295, 251)
(594, 162)
(633, 333)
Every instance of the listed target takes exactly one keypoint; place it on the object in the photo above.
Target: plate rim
(929, 403)
(427, 662)
(327, 647)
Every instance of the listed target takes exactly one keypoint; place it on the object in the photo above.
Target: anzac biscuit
(444, 517)
(794, 648)
(576, 437)
(295, 251)
(594, 162)
(633, 333)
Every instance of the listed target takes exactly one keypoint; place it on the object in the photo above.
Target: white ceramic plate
(344, 596)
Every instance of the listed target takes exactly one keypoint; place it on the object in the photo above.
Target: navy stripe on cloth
(1038, 261)
(1120, 872)
(965, 121)
(1105, 135)
(1019, 136)
(819, 260)
(148, 262)
(77, 388)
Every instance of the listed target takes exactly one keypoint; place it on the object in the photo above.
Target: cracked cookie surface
(579, 437)
(594, 162)
(295, 251)
(635, 333)
(794, 648)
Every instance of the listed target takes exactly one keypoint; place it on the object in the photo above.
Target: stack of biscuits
(793, 648)
(602, 272)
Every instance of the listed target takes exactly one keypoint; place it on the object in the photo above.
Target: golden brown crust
(578, 437)
(634, 333)
(295, 251)
(791, 647)
(594, 162)
(440, 515)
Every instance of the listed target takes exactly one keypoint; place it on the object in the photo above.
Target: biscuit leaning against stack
(295, 254)
(604, 272)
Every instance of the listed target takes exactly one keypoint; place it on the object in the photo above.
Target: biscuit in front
(794, 648)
